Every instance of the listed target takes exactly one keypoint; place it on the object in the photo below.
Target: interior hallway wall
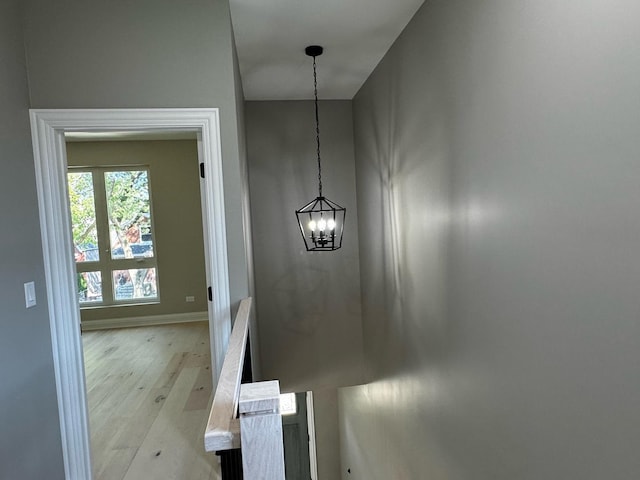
(325, 408)
(308, 303)
(254, 334)
(497, 149)
(30, 445)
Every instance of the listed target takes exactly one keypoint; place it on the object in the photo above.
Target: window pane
(288, 405)
(135, 284)
(83, 217)
(129, 210)
(89, 287)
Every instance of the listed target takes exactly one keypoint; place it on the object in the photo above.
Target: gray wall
(325, 408)
(497, 149)
(30, 445)
(308, 303)
(254, 339)
(144, 54)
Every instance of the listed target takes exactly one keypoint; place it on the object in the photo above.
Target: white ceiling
(271, 36)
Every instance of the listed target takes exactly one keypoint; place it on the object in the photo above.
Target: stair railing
(245, 416)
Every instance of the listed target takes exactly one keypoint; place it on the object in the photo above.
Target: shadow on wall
(404, 167)
(301, 296)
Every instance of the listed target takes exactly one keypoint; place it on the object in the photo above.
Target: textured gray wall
(144, 54)
(30, 445)
(497, 150)
(254, 339)
(325, 409)
(308, 303)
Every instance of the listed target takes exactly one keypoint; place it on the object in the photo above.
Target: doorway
(48, 130)
(296, 435)
(139, 252)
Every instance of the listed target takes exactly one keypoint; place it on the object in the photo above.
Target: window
(288, 405)
(112, 235)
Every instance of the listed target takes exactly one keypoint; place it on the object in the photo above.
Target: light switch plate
(30, 294)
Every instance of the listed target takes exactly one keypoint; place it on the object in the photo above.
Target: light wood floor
(149, 390)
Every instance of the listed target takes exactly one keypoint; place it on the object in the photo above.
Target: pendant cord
(315, 92)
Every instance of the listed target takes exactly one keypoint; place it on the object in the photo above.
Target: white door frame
(47, 130)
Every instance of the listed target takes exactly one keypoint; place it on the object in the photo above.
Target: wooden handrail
(223, 427)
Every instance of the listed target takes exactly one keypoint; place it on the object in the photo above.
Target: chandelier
(321, 221)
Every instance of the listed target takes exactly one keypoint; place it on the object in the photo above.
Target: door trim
(311, 427)
(47, 130)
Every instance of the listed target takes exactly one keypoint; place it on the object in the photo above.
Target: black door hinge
(202, 169)
(210, 294)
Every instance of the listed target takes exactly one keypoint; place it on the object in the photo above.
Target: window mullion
(132, 263)
(104, 242)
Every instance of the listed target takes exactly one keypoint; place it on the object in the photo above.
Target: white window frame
(106, 265)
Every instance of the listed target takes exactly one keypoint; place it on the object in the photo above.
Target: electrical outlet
(190, 299)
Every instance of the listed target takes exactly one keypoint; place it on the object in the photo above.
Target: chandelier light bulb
(331, 223)
(312, 225)
(322, 224)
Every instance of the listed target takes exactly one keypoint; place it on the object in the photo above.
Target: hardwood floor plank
(149, 391)
(200, 396)
(116, 463)
(167, 450)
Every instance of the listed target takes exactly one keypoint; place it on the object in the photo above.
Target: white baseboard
(144, 321)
